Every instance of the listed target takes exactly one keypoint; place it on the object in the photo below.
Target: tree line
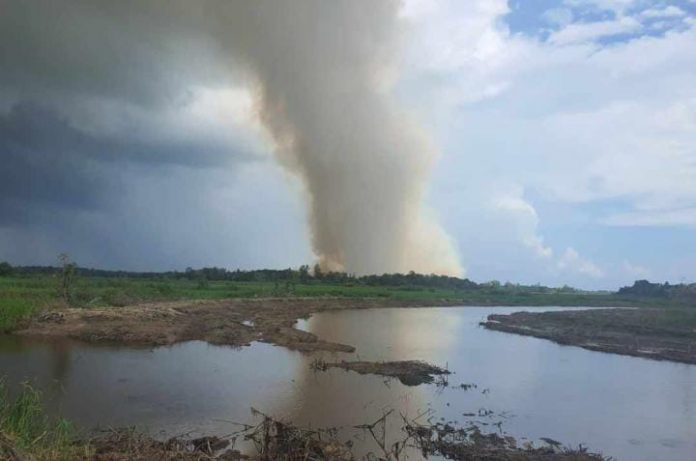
(303, 274)
(308, 275)
(646, 289)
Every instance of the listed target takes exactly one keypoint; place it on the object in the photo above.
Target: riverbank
(22, 296)
(33, 438)
(661, 334)
(272, 379)
(233, 322)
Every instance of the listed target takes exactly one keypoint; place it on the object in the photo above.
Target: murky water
(630, 408)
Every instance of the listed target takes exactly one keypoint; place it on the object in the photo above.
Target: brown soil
(409, 372)
(235, 322)
(661, 334)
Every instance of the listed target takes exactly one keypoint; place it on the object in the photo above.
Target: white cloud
(572, 261)
(451, 38)
(605, 133)
(685, 217)
(526, 222)
(635, 271)
(667, 12)
(587, 32)
(617, 6)
(582, 124)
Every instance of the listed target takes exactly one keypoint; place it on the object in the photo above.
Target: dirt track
(230, 322)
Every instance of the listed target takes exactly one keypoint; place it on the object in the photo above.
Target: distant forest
(643, 288)
(305, 274)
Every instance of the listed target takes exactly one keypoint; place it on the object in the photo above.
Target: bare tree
(67, 276)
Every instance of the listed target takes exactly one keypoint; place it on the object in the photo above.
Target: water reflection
(340, 398)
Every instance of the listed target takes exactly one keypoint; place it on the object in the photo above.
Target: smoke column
(322, 70)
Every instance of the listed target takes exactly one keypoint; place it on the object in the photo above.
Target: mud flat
(409, 372)
(660, 334)
(223, 322)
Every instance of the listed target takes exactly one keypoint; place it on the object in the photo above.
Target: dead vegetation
(274, 440)
(127, 445)
(409, 372)
(279, 441)
(471, 444)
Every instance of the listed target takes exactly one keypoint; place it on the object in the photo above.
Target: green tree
(304, 273)
(5, 269)
(318, 274)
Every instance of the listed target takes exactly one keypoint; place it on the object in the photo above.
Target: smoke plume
(322, 72)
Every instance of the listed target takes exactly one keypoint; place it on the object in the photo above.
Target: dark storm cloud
(67, 55)
(93, 128)
(49, 164)
(143, 52)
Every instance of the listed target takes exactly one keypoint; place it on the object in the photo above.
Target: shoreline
(232, 322)
(657, 334)
(639, 332)
(239, 322)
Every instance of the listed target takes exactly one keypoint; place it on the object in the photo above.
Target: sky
(565, 132)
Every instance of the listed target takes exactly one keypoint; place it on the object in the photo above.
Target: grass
(25, 428)
(21, 297)
(13, 311)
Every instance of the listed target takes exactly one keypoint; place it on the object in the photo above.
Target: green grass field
(22, 296)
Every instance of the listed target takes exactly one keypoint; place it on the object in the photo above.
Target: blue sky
(565, 131)
(541, 18)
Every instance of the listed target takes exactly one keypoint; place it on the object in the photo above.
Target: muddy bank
(276, 440)
(235, 322)
(126, 445)
(661, 334)
(409, 372)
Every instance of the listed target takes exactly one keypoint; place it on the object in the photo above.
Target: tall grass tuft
(26, 426)
(13, 311)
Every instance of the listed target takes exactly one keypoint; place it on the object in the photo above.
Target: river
(629, 408)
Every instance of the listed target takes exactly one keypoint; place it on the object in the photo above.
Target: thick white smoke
(322, 71)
